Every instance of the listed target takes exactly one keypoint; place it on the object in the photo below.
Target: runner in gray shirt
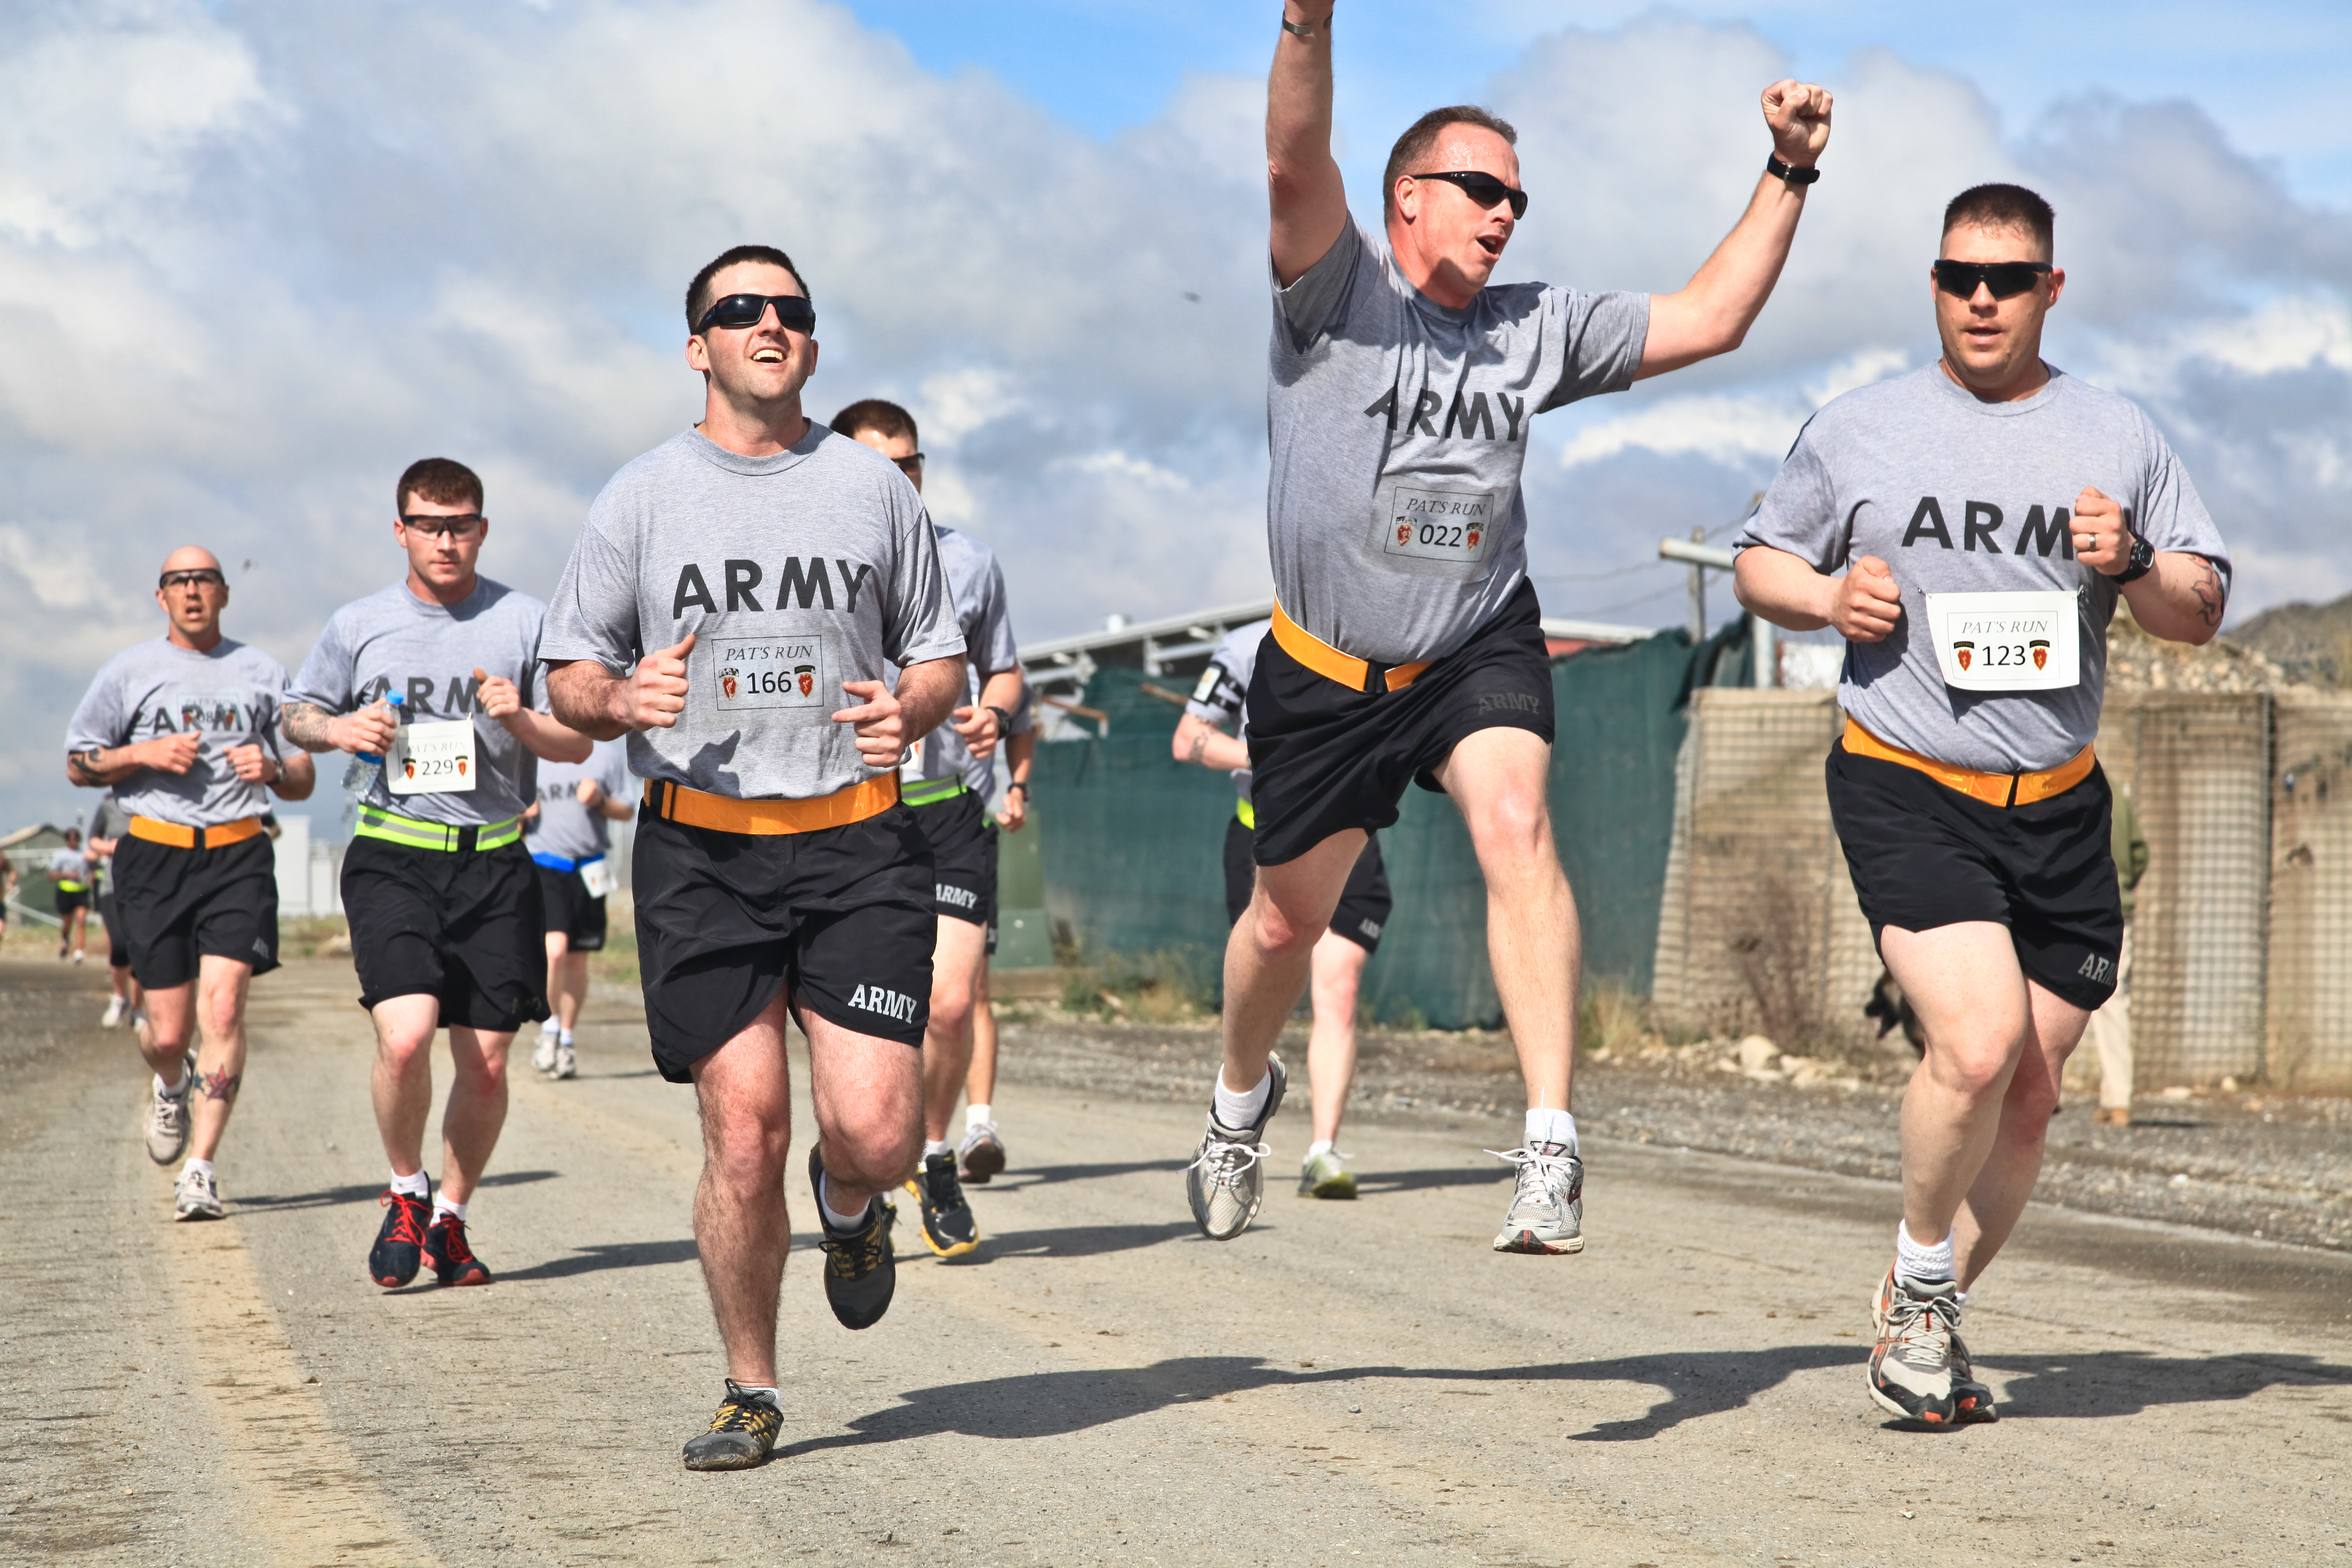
(945, 782)
(730, 606)
(567, 831)
(1987, 512)
(447, 930)
(183, 730)
(1407, 644)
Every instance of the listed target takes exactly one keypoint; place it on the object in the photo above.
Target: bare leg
(170, 1025)
(221, 988)
(559, 947)
(401, 1083)
(979, 1079)
(1331, 1048)
(1999, 1193)
(572, 993)
(867, 1093)
(1498, 779)
(956, 961)
(476, 1110)
(1271, 952)
(744, 1092)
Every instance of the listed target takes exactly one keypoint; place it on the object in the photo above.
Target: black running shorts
(572, 911)
(1924, 856)
(963, 858)
(118, 943)
(1364, 902)
(465, 926)
(67, 903)
(179, 905)
(1325, 759)
(841, 919)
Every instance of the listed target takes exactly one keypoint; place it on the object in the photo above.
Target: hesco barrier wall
(2310, 1000)
(1132, 839)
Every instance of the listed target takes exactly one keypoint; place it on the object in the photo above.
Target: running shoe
(195, 1196)
(167, 1125)
(1971, 1399)
(1546, 1212)
(76, 955)
(115, 1007)
(860, 1270)
(1224, 1183)
(741, 1435)
(1911, 1373)
(1326, 1175)
(567, 1061)
(453, 1262)
(542, 1055)
(949, 1228)
(983, 1153)
(399, 1247)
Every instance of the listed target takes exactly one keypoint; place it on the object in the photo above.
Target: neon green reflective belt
(72, 887)
(929, 791)
(376, 822)
(1248, 813)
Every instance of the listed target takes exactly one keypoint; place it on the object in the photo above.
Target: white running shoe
(1225, 1183)
(567, 1061)
(115, 1007)
(76, 955)
(1547, 1214)
(542, 1055)
(982, 1153)
(167, 1125)
(195, 1196)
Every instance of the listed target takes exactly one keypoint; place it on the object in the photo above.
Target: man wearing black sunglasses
(1406, 645)
(2016, 506)
(730, 588)
(183, 731)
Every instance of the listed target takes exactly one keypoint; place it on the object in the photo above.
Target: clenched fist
(1798, 114)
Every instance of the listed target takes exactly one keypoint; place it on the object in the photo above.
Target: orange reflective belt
(766, 819)
(1993, 789)
(1355, 674)
(181, 837)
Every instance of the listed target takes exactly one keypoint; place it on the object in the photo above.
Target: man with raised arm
(1988, 511)
(438, 676)
(732, 588)
(183, 731)
(1406, 645)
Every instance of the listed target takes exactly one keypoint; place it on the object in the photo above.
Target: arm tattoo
(82, 766)
(219, 1085)
(1200, 738)
(306, 725)
(2206, 588)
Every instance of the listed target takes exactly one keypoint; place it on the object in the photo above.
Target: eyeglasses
(737, 311)
(461, 526)
(911, 465)
(1484, 189)
(2005, 278)
(201, 577)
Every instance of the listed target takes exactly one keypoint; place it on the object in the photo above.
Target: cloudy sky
(254, 258)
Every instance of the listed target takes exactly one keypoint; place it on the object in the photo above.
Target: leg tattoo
(219, 1085)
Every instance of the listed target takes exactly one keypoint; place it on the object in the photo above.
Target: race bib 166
(775, 672)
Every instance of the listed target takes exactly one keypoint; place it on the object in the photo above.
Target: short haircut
(1421, 135)
(72, 834)
(443, 481)
(699, 295)
(885, 418)
(2003, 207)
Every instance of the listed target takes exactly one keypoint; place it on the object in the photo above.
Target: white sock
(1240, 1110)
(547, 1030)
(567, 1036)
(833, 1217)
(751, 1391)
(204, 1167)
(973, 1115)
(443, 1203)
(1320, 1146)
(415, 1187)
(934, 1148)
(1926, 1265)
(174, 1091)
(1550, 1127)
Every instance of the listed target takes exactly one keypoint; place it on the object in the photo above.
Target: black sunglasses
(737, 311)
(458, 526)
(1484, 189)
(2005, 278)
(202, 575)
(911, 465)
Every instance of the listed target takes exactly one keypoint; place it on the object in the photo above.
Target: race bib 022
(2007, 642)
(775, 672)
(1426, 523)
(435, 757)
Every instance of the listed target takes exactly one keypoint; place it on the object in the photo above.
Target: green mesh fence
(1132, 839)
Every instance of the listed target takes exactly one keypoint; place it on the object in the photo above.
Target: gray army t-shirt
(976, 584)
(1399, 427)
(1959, 496)
(394, 641)
(227, 695)
(1221, 693)
(796, 573)
(564, 829)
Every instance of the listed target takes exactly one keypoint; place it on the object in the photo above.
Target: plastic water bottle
(365, 767)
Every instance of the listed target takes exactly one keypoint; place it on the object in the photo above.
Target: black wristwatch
(2139, 563)
(1788, 172)
(1003, 721)
(1020, 785)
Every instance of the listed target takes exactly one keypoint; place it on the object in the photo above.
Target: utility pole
(1703, 558)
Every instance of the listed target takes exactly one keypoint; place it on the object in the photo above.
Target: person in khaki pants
(2110, 1029)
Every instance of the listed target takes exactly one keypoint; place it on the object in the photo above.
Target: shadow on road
(1082, 1240)
(335, 1197)
(616, 1255)
(1047, 1175)
(1376, 1181)
(2126, 1383)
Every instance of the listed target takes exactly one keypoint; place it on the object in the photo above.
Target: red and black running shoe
(453, 1261)
(399, 1244)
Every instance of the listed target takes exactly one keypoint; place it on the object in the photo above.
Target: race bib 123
(2007, 642)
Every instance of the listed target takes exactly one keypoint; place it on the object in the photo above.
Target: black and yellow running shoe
(741, 1435)
(860, 1270)
(949, 1228)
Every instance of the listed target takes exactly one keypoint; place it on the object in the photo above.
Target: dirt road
(1348, 1383)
